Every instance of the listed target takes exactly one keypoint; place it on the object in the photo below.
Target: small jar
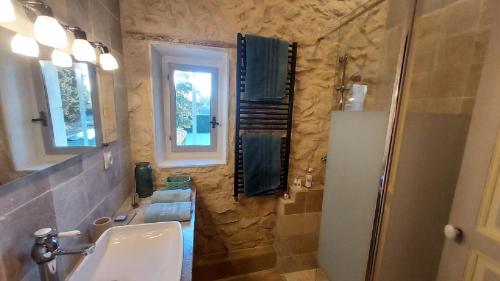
(143, 179)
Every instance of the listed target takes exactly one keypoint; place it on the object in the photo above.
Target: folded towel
(266, 69)
(171, 195)
(180, 211)
(261, 164)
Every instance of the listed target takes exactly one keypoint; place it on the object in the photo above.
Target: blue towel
(266, 69)
(180, 211)
(261, 164)
(171, 195)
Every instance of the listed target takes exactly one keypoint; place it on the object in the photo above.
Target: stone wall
(69, 195)
(222, 224)
(361, 38)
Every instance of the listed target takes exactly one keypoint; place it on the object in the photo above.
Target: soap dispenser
(309, 178)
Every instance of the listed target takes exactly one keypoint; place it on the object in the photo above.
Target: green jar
(143, 179)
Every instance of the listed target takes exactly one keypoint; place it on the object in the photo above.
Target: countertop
(136, 216)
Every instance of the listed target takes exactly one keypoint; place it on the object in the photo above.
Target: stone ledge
(302, 200)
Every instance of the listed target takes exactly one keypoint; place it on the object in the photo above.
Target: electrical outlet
(108, 160)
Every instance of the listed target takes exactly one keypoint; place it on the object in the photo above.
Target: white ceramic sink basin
(150, 252)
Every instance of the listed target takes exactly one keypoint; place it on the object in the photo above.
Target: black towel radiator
(263, 116)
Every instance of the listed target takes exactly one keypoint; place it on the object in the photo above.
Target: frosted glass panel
(355, 162)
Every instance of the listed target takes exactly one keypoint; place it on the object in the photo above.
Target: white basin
(150, 252)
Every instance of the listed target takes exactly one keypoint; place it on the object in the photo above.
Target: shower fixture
(342, 88)
(345, 86)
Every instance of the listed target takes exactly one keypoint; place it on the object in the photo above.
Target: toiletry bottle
(309, 178)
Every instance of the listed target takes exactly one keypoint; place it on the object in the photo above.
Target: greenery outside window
(69, 108)
(193, 107)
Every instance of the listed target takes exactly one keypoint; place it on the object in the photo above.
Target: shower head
(356, 77)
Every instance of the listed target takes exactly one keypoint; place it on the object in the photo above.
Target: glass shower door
(370, 48)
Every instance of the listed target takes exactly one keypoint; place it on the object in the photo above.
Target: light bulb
(49, 32)
(108, 62)
(7, 13)
(25, 46)
(83, 51)
(61, 58)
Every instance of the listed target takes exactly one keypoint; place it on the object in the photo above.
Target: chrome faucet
(46, 249)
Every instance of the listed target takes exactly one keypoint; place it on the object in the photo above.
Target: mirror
(49, 113)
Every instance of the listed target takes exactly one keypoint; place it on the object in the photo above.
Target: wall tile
(456, 50)
(61, 173)
(98, 185)
(69, 204)
(314, 200)
(16, 229)
(79, 15)
(99, 18)
(113, 6)
(461, 16)
(115, 34)
(20, 191)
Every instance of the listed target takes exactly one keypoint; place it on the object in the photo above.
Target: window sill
(186, 163)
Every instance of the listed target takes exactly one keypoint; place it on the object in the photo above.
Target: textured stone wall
(222, 224)
(361, 39)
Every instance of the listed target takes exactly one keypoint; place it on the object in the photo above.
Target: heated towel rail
(263, 116)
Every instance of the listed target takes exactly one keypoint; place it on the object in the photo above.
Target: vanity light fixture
(82, 50)
(7, 13)
(106, 59)
(24, 45)
(61, 59)
(48, 31)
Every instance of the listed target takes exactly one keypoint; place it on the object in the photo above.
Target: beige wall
(69, 195)
(448, 54)
(444, 69)
(222, 224)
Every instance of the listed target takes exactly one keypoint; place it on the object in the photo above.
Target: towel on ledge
(179, 211)
(266, 69)
(171, 195)
(261, 164)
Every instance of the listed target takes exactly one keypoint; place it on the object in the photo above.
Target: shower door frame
(392, 130)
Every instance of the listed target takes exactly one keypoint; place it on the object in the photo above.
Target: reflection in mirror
(70, 102)
(49, 113)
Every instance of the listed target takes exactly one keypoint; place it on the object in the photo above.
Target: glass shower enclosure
(371, 48)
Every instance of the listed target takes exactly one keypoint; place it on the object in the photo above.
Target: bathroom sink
(150, 252)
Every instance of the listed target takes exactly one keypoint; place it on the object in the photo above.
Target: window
(193, 107)
(68, 110)
(190, 86)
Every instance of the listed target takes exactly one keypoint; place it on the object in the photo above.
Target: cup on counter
(100, 225)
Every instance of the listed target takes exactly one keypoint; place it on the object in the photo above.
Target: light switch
(108, 160)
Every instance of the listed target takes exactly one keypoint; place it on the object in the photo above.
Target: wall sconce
(106, 59)
(48, 31)
(82, 50)
(24, 45)
(61, 59)
(7, 13)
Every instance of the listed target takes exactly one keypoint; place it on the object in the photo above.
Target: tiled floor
(306, 275)
(267, 275)
(271, 275)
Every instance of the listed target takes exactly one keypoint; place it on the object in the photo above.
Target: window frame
(162, 53)
(42, 103)
(213, 107)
